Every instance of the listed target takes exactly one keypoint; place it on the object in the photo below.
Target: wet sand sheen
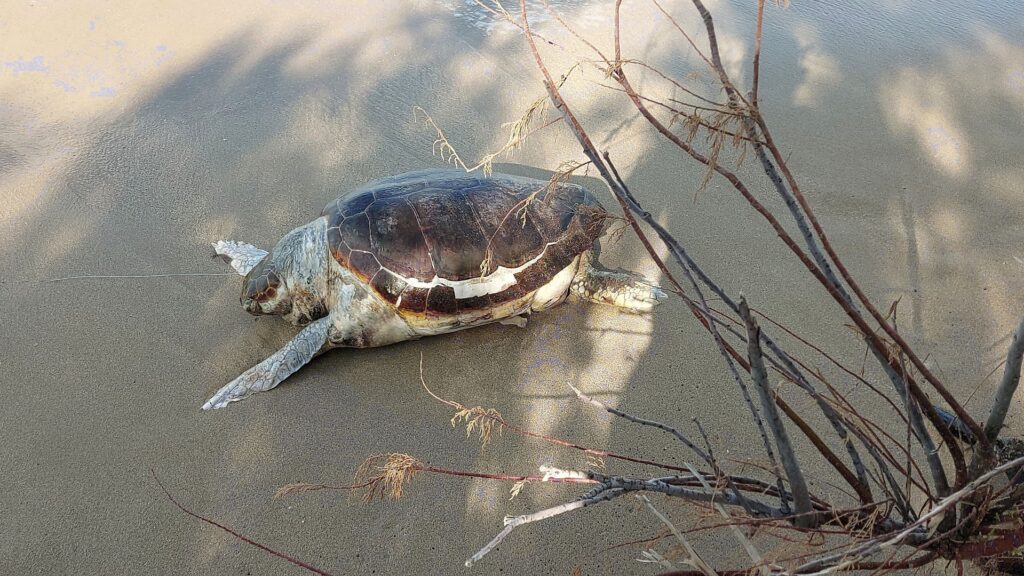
(132, 137)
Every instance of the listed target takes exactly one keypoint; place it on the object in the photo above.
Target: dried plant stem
(748, 546)
(757, 54)
(718, 106)
(610, 487)
(899, 382)
(237, 535)
(1008, 385)
(643, 422)
(517, 521)
(683, 32)
(498, 419)
(863, 492)
(838, 562)
(692, 558)
(797, 484)
(835, 362)
(567, 478)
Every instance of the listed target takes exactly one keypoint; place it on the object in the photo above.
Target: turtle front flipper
(627, 290)
(242, 257)
(272, 371)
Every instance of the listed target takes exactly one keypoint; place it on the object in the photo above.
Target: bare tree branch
(757, 53)
(916, 530)
(642, 421)
(1008, 385)
(786, 452)
(692, 558)
(511, 523)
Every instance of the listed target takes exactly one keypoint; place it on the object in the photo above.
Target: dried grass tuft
(479, 419)
(386, 475)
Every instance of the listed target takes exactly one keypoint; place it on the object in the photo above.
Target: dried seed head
(386, 475)
(479, 419)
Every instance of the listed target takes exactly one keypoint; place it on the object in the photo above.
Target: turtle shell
(446, 242)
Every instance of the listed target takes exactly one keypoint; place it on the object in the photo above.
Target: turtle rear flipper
(627, 290)
(241, 256)
(272, 371)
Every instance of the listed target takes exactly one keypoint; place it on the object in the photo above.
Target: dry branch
(786, 453)
(1008, 385)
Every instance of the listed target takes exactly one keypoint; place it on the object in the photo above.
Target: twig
(642, 421)
(860, 487)
(511, 523)
(913, 530)
(498, 419)
(786, 453)
(757, 53)
(1008, 385)
(241, 537)
(685, 35)
(719, 475)
(917, 425)
(693, 559)
(748, 546)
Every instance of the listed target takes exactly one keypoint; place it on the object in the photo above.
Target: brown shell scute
(414, 299)
(452, 233)
(396, 238)
(365, 263)
(441, 300)
(447, 223)
(388, 285)
(512, 242)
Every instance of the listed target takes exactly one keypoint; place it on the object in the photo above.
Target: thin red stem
(241, 537)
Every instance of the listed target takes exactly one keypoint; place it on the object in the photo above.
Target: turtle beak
(251, 306)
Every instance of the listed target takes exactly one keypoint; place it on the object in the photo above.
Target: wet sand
(131, 138)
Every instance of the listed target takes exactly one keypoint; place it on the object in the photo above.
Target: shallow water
(130, 138)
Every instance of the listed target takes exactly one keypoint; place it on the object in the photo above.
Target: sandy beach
(132, 136)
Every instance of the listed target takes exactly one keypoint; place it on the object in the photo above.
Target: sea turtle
(425, 253)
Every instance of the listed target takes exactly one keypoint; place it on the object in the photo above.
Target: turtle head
(263, 292)
(291, 281)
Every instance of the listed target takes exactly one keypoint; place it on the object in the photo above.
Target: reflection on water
(921, 105)
(820, 69)
(470, 11)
